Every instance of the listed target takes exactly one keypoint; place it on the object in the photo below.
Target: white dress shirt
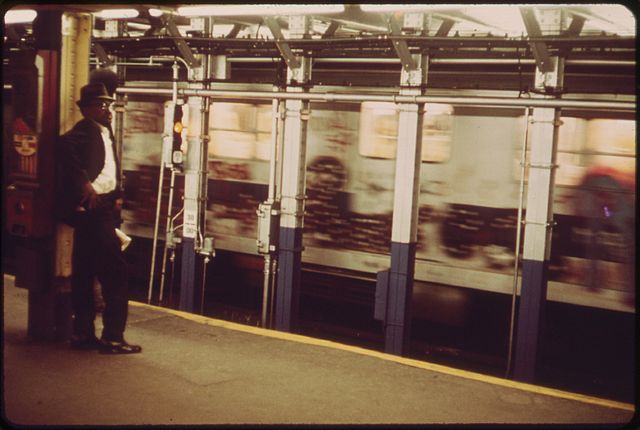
(106, 180)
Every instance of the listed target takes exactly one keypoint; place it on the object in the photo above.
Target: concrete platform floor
(197, 370)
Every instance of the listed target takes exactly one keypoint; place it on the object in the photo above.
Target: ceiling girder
(540, 51)
(401, 46)
(606, 47)
(155, 23)
(284, 48)
(445, 27)
(179, 41)
(331, 30)
(575, 28)
(102, 55)
(234, 31)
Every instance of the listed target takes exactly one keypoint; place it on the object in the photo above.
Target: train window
(239, 130)
(379, 131)
(570, 155)
(583, 143)
(612, 137)
(143, 117)
(436, 133)
(571, 138)
(143, 128)
(263, 132)
(612, 143)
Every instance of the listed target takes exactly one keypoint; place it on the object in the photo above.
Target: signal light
(177, 155)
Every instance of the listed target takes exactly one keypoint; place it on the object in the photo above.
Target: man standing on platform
(89, 199)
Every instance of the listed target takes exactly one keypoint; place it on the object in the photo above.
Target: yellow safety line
(397, 359)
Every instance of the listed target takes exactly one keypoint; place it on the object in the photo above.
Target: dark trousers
(97, 253)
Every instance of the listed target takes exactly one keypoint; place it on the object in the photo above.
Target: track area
(583, 350)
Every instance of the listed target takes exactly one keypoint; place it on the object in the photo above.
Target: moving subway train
(472, 165)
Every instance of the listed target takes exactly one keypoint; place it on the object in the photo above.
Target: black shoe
(121, 347)
(84, 343)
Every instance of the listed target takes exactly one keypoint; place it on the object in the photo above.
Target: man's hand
(89, 196)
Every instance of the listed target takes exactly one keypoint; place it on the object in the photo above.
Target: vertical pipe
(207, 69)
(280, 150)
(266, 288)
(204, 276)
(204, 160)
(155, 230)
(275, 107)
(271, 194)
(517, 250)
(159, 197)
(172, 259)
(168, 231)
(211, 67)
(272, 295)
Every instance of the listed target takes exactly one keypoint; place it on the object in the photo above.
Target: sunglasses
(101, 104)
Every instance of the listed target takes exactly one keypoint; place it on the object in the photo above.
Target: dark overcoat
(80, 159)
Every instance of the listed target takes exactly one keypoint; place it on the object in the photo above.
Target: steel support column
(538, 224)
(192, 231)
(293, 188)
(195, 177)
(36, 105)
(74, 73)
(397, 321)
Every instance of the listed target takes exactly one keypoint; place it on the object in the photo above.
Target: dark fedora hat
(105, 76)
(93, 92)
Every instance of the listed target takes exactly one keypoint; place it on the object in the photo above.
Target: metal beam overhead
(180, 43)
(628, 106)
(283, 47)
(234, 31)
(400, 46)
(102, 55)
(331, 30)
(540, 51)
(575, 28)
(445, 27)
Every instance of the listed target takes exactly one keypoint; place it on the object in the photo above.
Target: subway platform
(197, 370)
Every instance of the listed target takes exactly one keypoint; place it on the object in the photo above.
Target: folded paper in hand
(124, 239)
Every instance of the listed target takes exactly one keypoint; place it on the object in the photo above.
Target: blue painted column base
(398, 313)
(288, 285)
(190, 288)
(530, 318)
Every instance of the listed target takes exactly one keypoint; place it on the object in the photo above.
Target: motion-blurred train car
(469, 199)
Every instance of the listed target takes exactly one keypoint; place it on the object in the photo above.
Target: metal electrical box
(268, 223)
(22, 208)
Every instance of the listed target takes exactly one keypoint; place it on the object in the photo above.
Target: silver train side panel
(469, 188)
